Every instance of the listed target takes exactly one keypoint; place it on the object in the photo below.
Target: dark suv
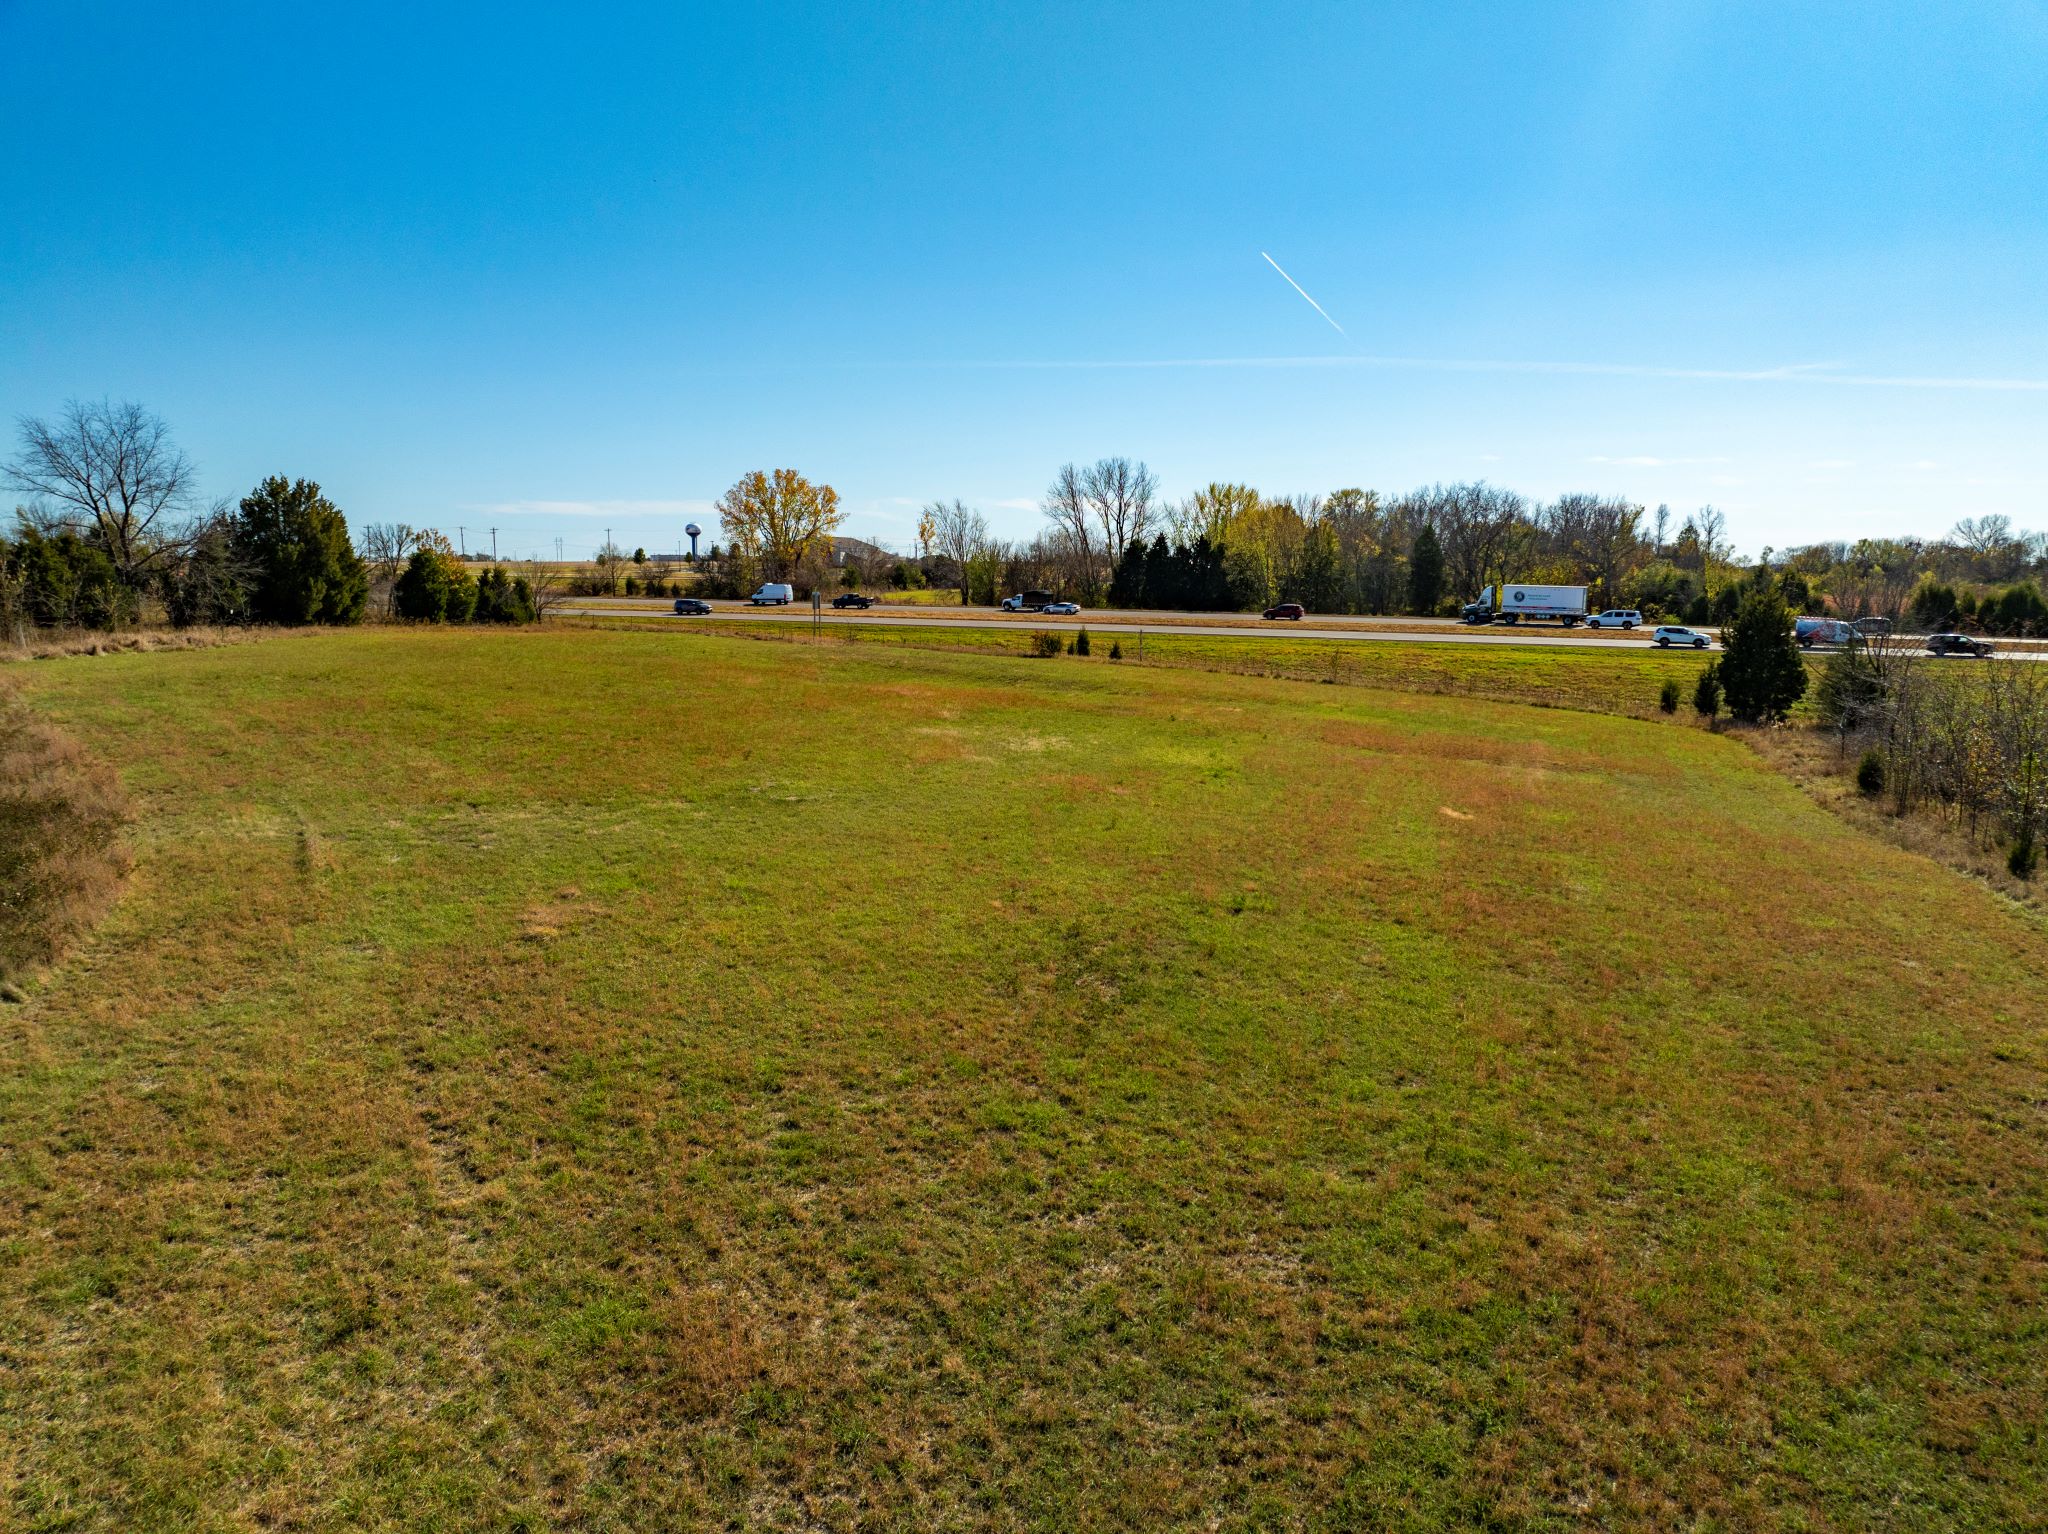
(1287, 610)
(1957, 644)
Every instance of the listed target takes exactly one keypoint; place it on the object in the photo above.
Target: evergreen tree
(502, 599)
(1127, 585)
(1761, 671)
(294, 544)
(1425, 572)
(1164, 575)
(435, 587)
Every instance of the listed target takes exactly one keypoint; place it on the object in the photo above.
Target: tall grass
(60, 864)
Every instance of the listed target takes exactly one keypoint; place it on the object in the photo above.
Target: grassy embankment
(585, 1078)
(1624, 680)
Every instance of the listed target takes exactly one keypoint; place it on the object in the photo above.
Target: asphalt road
(1411, 631)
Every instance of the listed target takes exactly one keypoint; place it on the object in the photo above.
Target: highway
(1115, 622)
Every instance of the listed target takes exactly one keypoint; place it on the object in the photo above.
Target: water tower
(693, 530)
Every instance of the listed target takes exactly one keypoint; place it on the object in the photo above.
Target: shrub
(501, 598)
(1081, 643)
(1116, 650)
(1850, 688)
(1870, 773)
(210, 585)
(65, 580)
(60, 813)
(1044, 644)
(435, 587)
(632, 586)
(2025, 855)
(1667, 697)
(1706, 694)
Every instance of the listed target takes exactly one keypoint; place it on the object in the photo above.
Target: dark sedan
(1957, 644)
(853, 599)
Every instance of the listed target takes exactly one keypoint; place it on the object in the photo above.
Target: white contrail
(1304, 293)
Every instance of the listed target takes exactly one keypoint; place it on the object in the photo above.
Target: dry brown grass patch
(60, 815)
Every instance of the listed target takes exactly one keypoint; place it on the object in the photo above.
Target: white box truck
(1509, 603)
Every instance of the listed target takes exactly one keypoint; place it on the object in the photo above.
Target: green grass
(597, 1080)
(1623, 679)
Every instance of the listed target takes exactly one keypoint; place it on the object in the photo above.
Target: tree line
(1109, 535)
(113, 533)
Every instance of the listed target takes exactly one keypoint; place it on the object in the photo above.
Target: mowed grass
(1623, 677)
(582, 1079)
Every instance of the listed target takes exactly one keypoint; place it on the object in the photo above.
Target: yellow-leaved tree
(777, 522)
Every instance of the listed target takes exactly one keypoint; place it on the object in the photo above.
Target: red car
(1287, 610)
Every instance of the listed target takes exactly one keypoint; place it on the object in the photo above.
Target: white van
(774, 594)
(1812, 631)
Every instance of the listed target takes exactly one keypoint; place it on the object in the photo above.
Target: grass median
(1620, 680)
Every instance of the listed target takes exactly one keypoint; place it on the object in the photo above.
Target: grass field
(589, 1079)
(1624, 680)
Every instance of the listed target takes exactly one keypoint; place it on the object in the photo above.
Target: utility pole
(494, 545)
(462, 540)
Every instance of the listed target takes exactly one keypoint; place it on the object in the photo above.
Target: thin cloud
(1798, 373)
(1304, 293)
(1647, 461)
(594, 508)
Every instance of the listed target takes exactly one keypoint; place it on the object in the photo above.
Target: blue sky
(560, 268)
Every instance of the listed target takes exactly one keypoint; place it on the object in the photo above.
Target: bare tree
(609, 558)
(114, 471)
(1596, 533)
(386, 546)
(1120, 494)
(548, 587)
(1710, 524)
(1066, 506)
(1479, 527)
(959, 533)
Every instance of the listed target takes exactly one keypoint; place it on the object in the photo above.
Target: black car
(853, 599)
(1957, 644)
(690, 607)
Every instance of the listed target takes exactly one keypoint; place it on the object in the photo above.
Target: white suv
(1615, 618)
